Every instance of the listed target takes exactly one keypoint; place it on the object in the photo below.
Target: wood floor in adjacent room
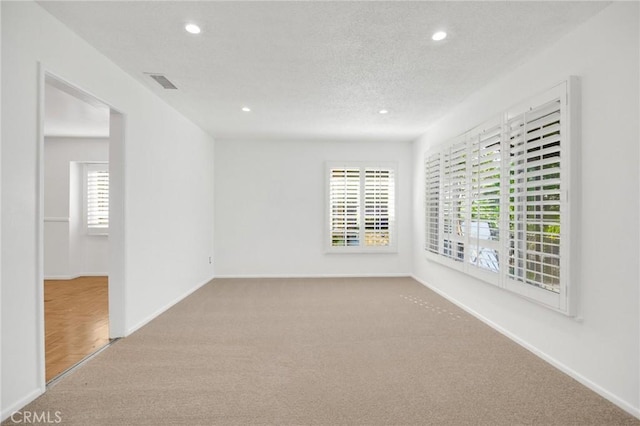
(76, 321)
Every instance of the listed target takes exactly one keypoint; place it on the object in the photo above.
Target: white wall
(168, 190)
(270, 208)
(68, 250)
(601, 350)
(1, 316)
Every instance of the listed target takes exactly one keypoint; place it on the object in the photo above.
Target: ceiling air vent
(162, 81)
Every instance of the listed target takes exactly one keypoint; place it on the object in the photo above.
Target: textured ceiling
(319, 70)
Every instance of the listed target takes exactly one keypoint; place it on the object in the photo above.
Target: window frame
(392, 219)
(87, 168)
(564, 301)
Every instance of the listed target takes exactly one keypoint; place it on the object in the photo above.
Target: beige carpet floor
(384, 351)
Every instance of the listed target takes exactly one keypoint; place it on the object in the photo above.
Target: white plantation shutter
(485, 180)
(379, 209)
(432, 203)
(497, 200)
(535, 203)
(344, 202)
(97, 207)
(453, 201)
(361, 208)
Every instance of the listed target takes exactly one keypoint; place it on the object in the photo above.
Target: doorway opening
(82, 232)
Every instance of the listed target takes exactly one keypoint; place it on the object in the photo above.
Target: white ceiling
(319, 70)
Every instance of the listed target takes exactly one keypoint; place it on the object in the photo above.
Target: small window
(361, 208)
(97, 198)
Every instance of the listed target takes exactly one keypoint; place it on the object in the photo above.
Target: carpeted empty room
(369, 351)
(320, 212)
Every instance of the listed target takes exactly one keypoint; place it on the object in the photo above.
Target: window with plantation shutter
(535, 198)
(497, 199)
(454, 195)
(485, 181)
(432, 203)
(97, 198)
(361, 208)
(379, 192)
(344, 201)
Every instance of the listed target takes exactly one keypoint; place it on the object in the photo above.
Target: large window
(361, 213)
(97, 198)
(497, 199)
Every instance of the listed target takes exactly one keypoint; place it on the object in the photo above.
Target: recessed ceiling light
(246, 109)
(192, 28)
(440, 35)
(383, 111)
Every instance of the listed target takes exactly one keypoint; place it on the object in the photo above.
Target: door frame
(117, 247)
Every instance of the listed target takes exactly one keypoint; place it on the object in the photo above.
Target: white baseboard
(634, 411)
(73, 277)
(60, 277)
(389, 275)
(20, 404)
(164, 308)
